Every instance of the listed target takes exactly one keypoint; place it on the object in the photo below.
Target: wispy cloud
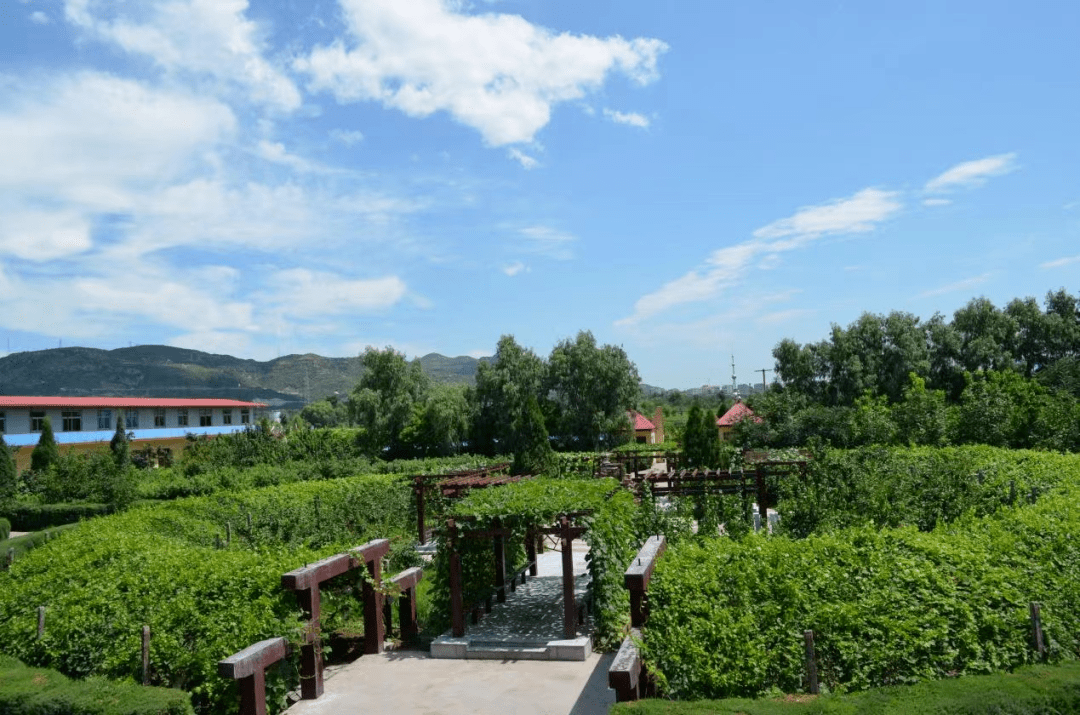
(632, 118)
(496, 73)
(964, 285)
(548, 242)
(1060, 262)
(728, 266)
(527, 162)
(514, 268)
(972, 173)
(936, 202)
(39, 18)
(348, 137)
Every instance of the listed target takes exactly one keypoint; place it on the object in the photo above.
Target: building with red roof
(77, 420)
(648, 431)
(738, 412)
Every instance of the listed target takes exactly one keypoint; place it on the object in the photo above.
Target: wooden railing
(627, 674)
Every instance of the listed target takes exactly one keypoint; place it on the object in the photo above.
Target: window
(37, 421)
(226, 417)
(206, 418)
(181, 418)
(245, 416)
(159, 417)
(72, 421)
(1, 421)
(131, 419)
(105, 420)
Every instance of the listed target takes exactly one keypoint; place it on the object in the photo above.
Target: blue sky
(688, 180)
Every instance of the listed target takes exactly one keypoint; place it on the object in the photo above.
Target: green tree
(871, 421)
(922, 416)
(530, 435)
(8, 475)
(382, 402)
(440, 424)
(501, 397)
(121, 450)
(590, 388)
(328, 412)
(46, 452)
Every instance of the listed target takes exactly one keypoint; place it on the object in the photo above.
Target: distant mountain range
(161, 371)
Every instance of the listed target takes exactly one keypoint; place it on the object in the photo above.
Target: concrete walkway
(414, 683)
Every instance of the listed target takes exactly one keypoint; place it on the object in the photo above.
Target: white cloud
(632, 118)
(964, 285)
(496, 73)
(936, 202)
(527, 162)
(39, 18)
(1060, 262)
(310, 294)
(209, 38)
(728, 266)
(43, 235)
(972, 173)
(514, 268)
(548, 242)
(348, 137)
(858, 214)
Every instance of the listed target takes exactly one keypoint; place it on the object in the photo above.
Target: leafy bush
(26, 542)
(887, 606)
(205, 596)
(35, 517)
(37, 691)
(5, 528)
(1036, 690)
(892, 486)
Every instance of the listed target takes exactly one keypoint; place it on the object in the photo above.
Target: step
(577, 649)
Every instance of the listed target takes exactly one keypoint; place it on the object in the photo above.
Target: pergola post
(499, 545)
(569, 606)
(457, 608)
(374, 633)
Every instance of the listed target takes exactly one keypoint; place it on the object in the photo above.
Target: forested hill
(162, 371)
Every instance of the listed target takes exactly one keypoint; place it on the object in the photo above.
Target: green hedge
(887, 606)
(5, 528)
(161, 566)
(35, 517)
(895, 486)
(1037, 690)
(38, 691)
(26, 542)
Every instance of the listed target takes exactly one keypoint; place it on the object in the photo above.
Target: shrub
(886, 606)
(37, 691)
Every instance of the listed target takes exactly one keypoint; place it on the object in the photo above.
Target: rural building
(80, 420)
(648, 431)
(737, 413)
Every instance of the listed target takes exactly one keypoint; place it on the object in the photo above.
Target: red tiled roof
(641, 422)
(738, 411)
(12, 401)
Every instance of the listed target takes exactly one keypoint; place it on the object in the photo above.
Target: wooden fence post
(499, 545)
(1036, 630)
(146, 655)
(457, 608)
(569, 606)
(248, 668)
(811, 664)
(10, 556)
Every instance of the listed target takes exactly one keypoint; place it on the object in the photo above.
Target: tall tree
(46, 452)
(532, 453)
(501, 397)
(440, 424)
(382, 402)
(590, 388)
(8, 474)
(121, 450)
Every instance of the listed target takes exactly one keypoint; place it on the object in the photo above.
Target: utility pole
(764, 387)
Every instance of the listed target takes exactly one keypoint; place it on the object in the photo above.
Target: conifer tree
(8, 475)
(46, 452)
(119, 446)
(534, 452)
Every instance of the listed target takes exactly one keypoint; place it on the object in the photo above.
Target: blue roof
(31, 439)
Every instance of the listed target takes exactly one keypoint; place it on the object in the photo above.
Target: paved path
(412, 683)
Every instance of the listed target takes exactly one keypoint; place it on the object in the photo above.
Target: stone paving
(531, 620)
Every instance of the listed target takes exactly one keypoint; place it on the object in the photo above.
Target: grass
(1045, 690)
